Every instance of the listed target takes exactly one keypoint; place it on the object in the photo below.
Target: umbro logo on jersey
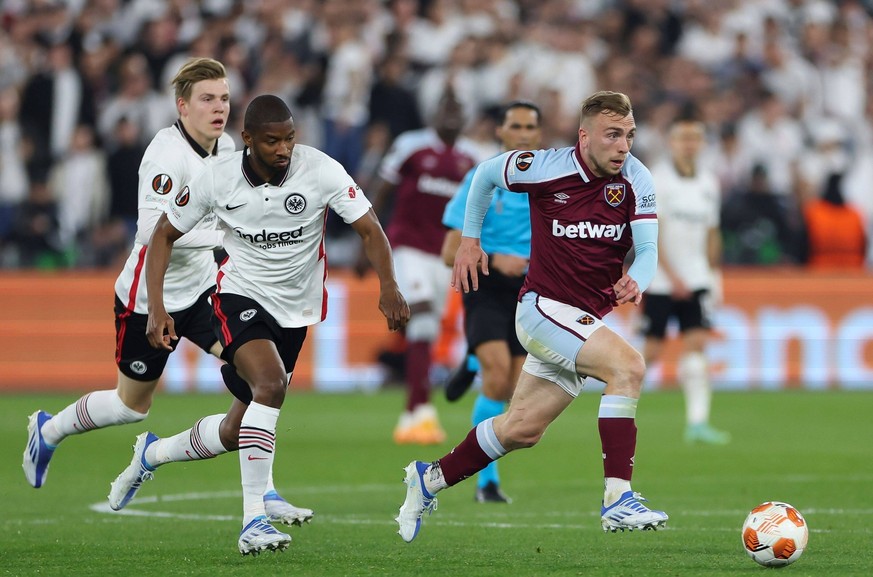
(524, 160)
(247, 315)
(561, 198)
(162, 184)
(295, 203)
(228, 207)
(183, 197)
(614, 192)
(138, 367)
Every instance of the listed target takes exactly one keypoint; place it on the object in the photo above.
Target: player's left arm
(375, 246)
(347, 199)
(644, 228)
(630, 287)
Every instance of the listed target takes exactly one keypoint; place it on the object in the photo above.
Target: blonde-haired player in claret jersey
(271, 201)
(589, 204)
(175, 155)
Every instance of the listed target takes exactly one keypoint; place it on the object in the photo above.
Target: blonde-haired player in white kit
(172, 159)
(689, 200)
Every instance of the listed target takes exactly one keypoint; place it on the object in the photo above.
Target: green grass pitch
(335, 455)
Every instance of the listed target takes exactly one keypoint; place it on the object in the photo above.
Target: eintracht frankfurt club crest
(295, 204)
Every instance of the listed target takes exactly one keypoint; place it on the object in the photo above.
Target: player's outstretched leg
(281, 511)
(125, 486)
(258, 535)
(418, 500)
(38, 452)
(630, 513)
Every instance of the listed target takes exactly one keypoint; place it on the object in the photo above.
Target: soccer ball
(775, 534)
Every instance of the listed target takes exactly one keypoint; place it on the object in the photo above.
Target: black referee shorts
(489, 313)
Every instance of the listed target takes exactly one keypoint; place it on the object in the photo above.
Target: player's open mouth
(218, 123)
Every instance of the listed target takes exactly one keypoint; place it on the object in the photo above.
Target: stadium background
(783, 85)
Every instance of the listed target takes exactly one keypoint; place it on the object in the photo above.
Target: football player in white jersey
(689, 200)
(174, 157)
(271, 201)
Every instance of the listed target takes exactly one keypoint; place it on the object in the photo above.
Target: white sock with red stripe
(93, 411)
(257, 440)
(202, 441)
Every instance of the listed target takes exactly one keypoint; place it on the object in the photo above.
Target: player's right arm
(453, 220)
(470, 256)
(186, 209)
(160, 329)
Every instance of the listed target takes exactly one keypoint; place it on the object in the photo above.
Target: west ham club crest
(614, 192)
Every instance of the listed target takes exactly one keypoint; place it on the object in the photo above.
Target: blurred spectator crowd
(785, 88)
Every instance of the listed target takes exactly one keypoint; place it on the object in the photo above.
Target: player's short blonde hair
(616, 103)
(194, 71)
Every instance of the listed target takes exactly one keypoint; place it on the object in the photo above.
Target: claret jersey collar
(254, 179)
(197, 148)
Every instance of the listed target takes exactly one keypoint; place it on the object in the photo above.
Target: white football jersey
(273, 231)
(687, 209)
(171, 160)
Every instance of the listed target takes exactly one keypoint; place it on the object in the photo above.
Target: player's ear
(247, 138)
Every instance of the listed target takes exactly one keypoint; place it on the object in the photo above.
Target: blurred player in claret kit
(176, 154)
(687, 279)
(271, 200)
(423, 170)
(489, 313)
(589, 204)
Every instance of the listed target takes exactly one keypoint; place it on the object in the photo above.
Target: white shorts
(422, 277)
(553, 333)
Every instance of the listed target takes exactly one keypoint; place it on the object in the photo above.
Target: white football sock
(202, 441)
(613, 488)
(434, 480)
(693, 375)
(257, 442)
(93, 411)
